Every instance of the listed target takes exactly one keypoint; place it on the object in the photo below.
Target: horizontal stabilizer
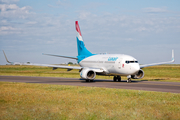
(62, 56)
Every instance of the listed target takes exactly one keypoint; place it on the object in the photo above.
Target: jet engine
(139, 75)
(88, 74)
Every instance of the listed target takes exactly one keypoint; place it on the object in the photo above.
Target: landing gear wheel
(114, 78)
(87, 80)
(129, 80)
(119, 78)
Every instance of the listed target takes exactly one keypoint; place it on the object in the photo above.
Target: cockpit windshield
(131, 61)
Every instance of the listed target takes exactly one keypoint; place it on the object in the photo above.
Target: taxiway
(173, 87)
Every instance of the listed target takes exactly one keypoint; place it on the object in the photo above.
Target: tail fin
(80, 43)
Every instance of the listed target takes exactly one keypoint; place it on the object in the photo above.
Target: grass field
(155, 73)
(25, 101)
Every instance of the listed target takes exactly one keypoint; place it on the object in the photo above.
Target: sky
(145, 29)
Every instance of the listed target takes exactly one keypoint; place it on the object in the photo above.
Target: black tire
(119, 78)
(114, 78)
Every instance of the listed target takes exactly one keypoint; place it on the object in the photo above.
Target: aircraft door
(119, 63)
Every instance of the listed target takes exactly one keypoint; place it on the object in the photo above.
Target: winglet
(173, 56)
(6, 57)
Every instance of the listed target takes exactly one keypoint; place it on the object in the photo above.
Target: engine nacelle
(88, 74)
(139, 75)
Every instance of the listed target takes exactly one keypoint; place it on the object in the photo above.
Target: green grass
(163, 73)
(155, 73)
(40, 101)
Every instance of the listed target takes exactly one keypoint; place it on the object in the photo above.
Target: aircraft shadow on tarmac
(123, 81)
(80, 81)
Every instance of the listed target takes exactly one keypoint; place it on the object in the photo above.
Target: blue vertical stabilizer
(82, 51)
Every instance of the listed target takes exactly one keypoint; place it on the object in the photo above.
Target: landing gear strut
(117, 78)
(129, 79)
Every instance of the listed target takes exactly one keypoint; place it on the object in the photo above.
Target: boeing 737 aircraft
(116, 65)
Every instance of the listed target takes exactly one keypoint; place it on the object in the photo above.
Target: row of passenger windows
(98, 61)
(131, 62)
(108, 62)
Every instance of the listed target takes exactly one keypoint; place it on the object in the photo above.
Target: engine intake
(139, 75)
(88, 74)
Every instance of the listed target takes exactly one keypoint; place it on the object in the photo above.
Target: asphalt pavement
(173, 87)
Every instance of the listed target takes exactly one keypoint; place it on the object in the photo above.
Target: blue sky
(145, 29)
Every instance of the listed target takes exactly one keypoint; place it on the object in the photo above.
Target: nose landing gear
(129, 79)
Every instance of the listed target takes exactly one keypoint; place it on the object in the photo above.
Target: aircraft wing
(99, 70)
(45, 65)
(53, 66)
(154, 64)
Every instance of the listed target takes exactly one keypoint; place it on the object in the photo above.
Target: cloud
(4, 30)
(31, 23)
(13, 18)
(53, 6)
(63, 3)
(118, 23)
(8, 1)
(155, 10)
(5, 7)
(13, 11)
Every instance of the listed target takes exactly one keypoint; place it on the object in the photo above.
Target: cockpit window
(131, 62)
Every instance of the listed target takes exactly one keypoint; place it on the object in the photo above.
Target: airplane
(116, 65)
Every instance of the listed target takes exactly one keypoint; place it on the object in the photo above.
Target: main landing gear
(117, 78)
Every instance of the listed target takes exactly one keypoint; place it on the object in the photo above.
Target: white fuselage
(112, 64)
